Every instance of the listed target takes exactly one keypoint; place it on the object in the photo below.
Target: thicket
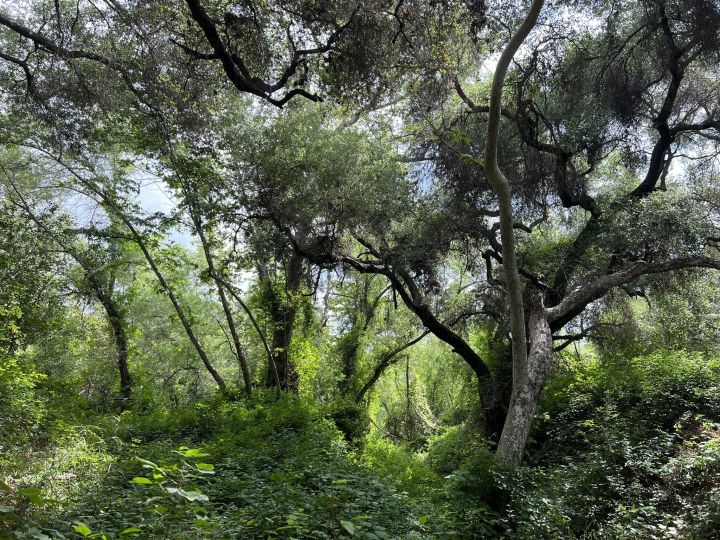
(621, 448)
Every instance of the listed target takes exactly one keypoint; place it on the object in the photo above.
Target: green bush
(350, 418)
(617, 450)
(281, 470)
(448, 450)
(406, 468)
(21, 410)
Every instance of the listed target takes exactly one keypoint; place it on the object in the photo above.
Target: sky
(154, 197)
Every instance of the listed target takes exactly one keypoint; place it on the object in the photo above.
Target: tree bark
(282, 313)
(526, 392)
(514, 427)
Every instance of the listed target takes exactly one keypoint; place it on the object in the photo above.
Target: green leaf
(34, 532)
(189, 495)
(4, 508)
(147, 464)
(82, 529)
(141, 480)
(194, 452)
(160, 509)
(33, 494)
(130, 530)
(349, 526)
(193, 495)
(205, 466)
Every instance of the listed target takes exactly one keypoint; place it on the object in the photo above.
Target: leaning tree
(571, 168)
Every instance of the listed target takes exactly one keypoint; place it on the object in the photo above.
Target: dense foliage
(410, 269)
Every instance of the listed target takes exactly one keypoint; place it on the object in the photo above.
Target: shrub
(451, 448)
(401, 465)
(21, 410)
(350, 418)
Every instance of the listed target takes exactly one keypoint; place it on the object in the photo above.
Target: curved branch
(501, 187)
(48, 44)
(581, 296)
(385, 362)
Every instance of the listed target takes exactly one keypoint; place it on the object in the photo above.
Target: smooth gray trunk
(522, 403)
(526, 392)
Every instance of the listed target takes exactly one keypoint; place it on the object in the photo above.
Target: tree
(571, 170)
(98, 276)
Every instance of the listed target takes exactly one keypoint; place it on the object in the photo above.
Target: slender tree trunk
(120, 336)
(364, 311)
(350, 347)
(513, 429)
(104, 294)
(242, 361)
(114, 208)
(180, 311)
(173, 299)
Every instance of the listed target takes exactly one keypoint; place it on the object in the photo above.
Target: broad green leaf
(82, 529)
(193, 495)
(349, 526)
(37, 534)
(33, 494)
(141, 480)
(205, 466)
(130, 530)
(146, 463)
(194, 452)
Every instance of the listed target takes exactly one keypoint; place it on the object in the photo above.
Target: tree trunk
(173, 299)
(112, 207)
(242, 361)
(384, 363)
(363, 314)
(104, 294)
(526, 390)
(521, 396)
(282, 311)
(349, 347)
(118, 327)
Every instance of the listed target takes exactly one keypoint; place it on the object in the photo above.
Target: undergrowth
(626, 448)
